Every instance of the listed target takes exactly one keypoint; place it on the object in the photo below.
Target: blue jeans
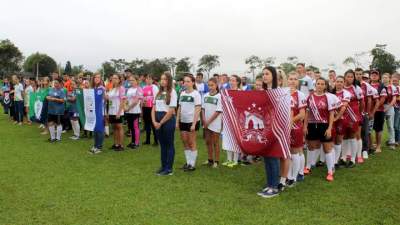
(98, 139)
(19, 110)
(272, 169)
(397, 124)
(166, 135)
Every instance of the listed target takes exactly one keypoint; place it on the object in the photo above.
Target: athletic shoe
(165, 173)
(320, 164)
(365, 154)
(290, 183)
(342, 162)
(64, 131)
(245, 163)
(185, 166)
(329, 177)
(350, 164)
(392, 147)
(51, 140)
(300, 178)
(306, 171)
(131, 146)
(189, 168)
(119, 148)
(113, 147)
(96, 151)
(215, 165)
(281, 187)
(268, 193)
(360, 160)
(58, 140)
(74, 138)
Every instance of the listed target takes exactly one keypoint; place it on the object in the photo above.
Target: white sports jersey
(161, 105)
(212, 104)
(188, 103)
(134, 94)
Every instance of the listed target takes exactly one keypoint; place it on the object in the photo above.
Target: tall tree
(10, 57)
(254, 62)
(289, 65)
(357, 60)
(107, 69)
(77, 70)
(269, 61)
(155, 67)
(68, 68)
(119, 64)
(171, 62)
(383, 60)
(43, 62)
(183, 65)
(208, 62)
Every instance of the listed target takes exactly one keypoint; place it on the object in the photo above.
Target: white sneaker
(365, 154)
(96, 151)
(74, 138)
(64, 131)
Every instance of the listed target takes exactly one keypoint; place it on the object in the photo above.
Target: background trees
(10, 58)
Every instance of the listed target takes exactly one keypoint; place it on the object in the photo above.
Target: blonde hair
(282, 78)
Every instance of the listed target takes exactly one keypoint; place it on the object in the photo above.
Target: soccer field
(61, 183)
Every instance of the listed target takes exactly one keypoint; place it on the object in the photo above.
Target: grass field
(43, 183)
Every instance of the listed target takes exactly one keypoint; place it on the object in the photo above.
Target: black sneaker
(290, 183)
(57, 140)
(51, 140)
(119, 148)
(320, 164)
(281, 187)
(337, 166)
(114, 147)
(190, 168)
(131, 146)
(342, 162)
(350, 164)
(185, 166)
(300, 177)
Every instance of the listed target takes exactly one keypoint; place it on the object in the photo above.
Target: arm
(167, 116)
(299, 116)
(328, 132)
(305, 123)
(212, 118)
(178, 113)
(195, 117)
(121, 107)
(340, 114)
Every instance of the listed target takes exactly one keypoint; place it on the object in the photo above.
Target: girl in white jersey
(188, 120)
(134, 97)
(212, 109)
(116, 97)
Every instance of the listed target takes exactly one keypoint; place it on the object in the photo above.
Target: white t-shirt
(115, 96)
(188, 103)
(161, 105)
(212, 104)
(134, 94)
(306, 85)
(18, 89)
(28, 91)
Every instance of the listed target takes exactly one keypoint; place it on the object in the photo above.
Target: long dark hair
(215, 81)
(334, 88)
(191, 77)
(274, 77)
(326, 83)
(238, 80)
(167, 89)
(355, 81)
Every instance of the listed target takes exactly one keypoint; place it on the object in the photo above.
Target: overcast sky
(90, 32)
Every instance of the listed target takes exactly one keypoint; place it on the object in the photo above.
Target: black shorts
(113, 119)
(379, 120)
(55, 118)
(186, 126)
(316, 132)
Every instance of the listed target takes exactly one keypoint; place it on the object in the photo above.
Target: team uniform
(212, 104)
(379, 117)
(72, 109)
(115, 97)
(298, 102)
(56, 112)
(319, 107)
(339, 126)
(188, 103)
(149, 91)
(353, 117)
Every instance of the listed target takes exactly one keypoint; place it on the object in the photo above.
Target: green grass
(43, 183)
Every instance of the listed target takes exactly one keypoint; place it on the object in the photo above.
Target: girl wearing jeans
(163, 118)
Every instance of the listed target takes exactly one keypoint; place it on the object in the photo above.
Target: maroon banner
(258, 122)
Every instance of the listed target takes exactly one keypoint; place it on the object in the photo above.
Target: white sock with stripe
(187, 156)
(338, 150)
(353, 149)
(330, 161)
(359, 147)
(302, 164)
(345, 148)
(59, 131)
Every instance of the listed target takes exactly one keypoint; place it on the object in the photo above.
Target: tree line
(13, 61)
